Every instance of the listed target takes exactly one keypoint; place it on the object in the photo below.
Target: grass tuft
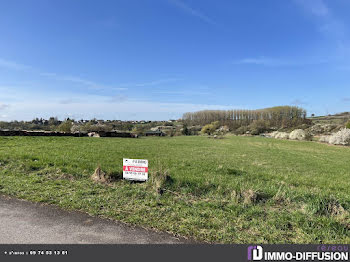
(327, 206)
(99, 176)
(159, 180)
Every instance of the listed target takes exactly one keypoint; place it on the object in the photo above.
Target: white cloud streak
(273, 62)
(191, 11)
(13, 65)
(182, 93)
(77, 80)
(329, 24)
(262, 61)
(73, 79)
(151, 83)
(316, 7)
(3, 106)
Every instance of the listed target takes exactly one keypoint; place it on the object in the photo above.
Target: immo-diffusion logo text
(257, 253)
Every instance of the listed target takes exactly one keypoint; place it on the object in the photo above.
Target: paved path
(23, 222)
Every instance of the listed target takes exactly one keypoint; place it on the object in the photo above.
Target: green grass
(232, 190)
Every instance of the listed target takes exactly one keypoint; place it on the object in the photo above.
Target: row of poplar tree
(279, 116)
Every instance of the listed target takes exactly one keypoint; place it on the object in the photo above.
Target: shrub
(216, 124)
(279, 135)
(186, 131)
(324, 139)
(258, 127)
(89, 127)
(65, 126)
(210, 128)
(342, 137)
(347, 125)
(138, 130)
(241, 130)
(299, 134)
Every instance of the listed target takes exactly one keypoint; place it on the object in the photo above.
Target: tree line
(71, 125)
(279, 116)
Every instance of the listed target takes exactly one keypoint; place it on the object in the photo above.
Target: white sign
(135, 169)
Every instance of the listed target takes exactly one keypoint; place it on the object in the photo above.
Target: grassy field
(232, 190)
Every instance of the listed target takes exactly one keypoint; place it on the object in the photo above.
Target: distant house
(154, 133)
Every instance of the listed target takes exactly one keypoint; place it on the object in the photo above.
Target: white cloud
(16, 66)
(85, 82)
(3, 106)
(316, 7)
(81, 81)
(151, 83)
(77, 80)
(274, 62)
(191, 11)
(327, 23)
(333, 28)
(13, 65)
(182, 92)
(263, 61)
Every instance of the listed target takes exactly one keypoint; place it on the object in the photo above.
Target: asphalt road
(23, 222)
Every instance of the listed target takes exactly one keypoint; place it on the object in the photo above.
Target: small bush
(185, 131)
(208, 129)
(342, 137)
(65, 126)
(324, 139)
(258, 127)
(241, 130)
(279, 135)
(300, 134)
(159, 179)
(347, 125)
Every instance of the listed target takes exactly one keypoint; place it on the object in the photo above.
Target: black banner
(177, 253)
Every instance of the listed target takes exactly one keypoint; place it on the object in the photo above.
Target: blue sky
(156, 59)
